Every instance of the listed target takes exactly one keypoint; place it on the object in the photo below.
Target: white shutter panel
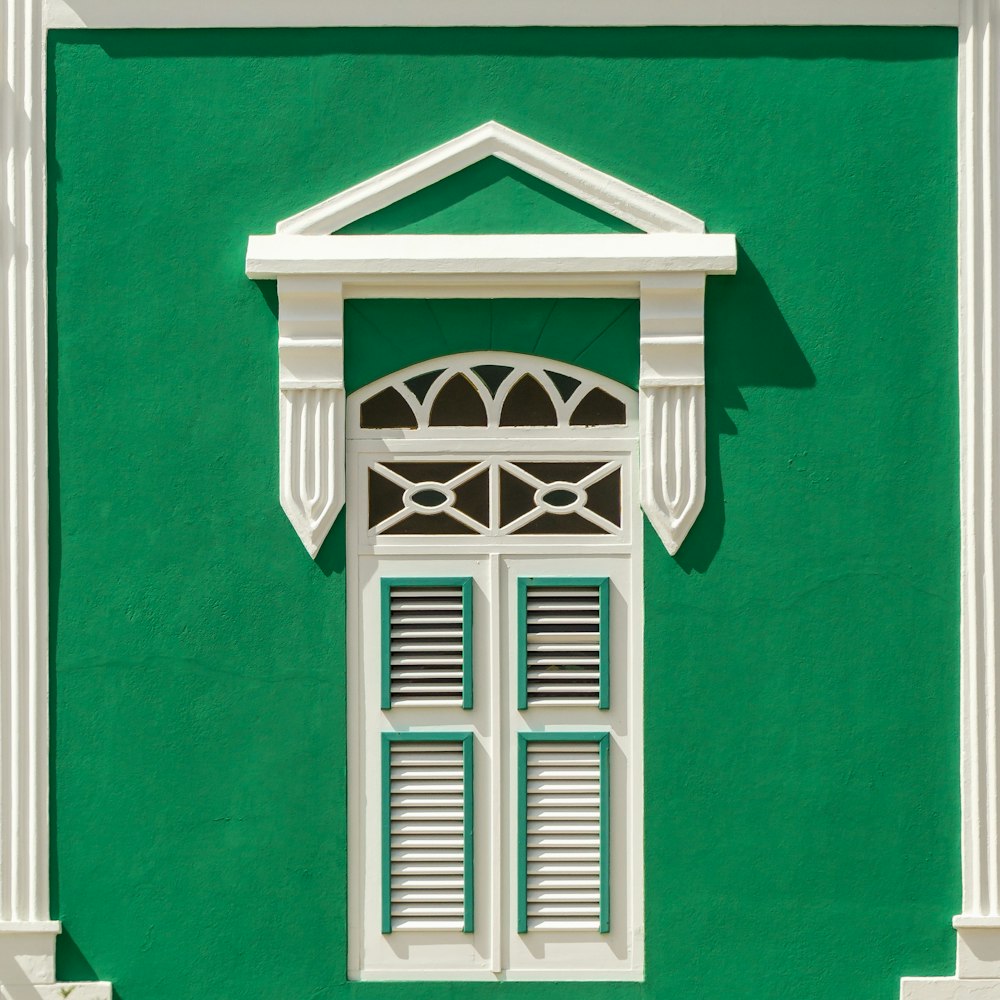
(563, 628)
(427, 832)
(564, 832)
(427, 642)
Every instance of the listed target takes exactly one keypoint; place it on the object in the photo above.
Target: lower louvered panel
(427, 835)
(563, 830)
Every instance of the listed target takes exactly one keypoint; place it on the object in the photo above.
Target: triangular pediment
(489, 197)
(600, 191)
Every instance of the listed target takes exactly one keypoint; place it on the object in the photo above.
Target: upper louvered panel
(427, 836)
(564, 643)
(564, 829)
(426, 644)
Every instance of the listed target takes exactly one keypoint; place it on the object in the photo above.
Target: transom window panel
(564, 836)
(427, 838)
(427, 642)
(563, 642)
(493, 496)
(511, 391)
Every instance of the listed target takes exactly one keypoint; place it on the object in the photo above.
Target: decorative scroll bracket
(311, 404)
(672, 403)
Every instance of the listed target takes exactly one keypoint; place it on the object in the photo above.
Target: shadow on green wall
(748, 343)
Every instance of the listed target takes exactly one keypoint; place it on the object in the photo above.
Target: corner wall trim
(27, 936)
(978, 926)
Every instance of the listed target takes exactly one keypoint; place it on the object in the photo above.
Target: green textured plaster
(802, 650)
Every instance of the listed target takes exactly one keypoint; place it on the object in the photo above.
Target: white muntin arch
(505, 404)
(664, 266)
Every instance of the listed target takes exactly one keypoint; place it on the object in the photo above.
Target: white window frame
(495, 950)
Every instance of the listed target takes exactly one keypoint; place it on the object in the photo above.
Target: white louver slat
(426, 643)
(427, 839)
(564, 643)
(564, 830)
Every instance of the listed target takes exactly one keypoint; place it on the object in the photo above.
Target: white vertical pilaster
(311, 404)
(24, 830)
(672, 403)
(978, 925)
(27, 936)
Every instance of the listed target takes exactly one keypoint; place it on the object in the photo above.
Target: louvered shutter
(563, 642)
(564, 832)
(427, 642)
(427, 832)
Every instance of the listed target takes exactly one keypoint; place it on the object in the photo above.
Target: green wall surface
(802, 812)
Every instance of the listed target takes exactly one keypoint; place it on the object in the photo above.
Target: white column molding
(24, 828)
(672, 403)
(27, 936)
(978, 925)
(311, 404)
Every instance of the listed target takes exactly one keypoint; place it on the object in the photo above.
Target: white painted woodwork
(609, 194)
(366, 264)
(489, 13)
(672, 403)
(521, 365)
(562, 949)
(24, 826)
(311, 404)
(665, 266)
(27, 935)
(978, 925)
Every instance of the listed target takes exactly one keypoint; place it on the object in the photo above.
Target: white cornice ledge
(490, 13)
(626, 256)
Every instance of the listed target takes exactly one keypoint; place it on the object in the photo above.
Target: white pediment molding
(609, 194)
(664, 266)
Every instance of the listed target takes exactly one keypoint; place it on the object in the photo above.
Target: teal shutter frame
(466, 740)
(387, 585)
(603, 586)
(603, 742)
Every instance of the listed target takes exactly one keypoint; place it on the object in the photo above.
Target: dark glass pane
(384, 498)
(560, 524)
(473, 497)
(560, 498)
(516, 497)
(419, 384)
(598, 409)
(458, 405)
(428, 498)
(605, 497)
(528, 405)
(565, 385)
(492, 375)
(567, 472)
(387, 409)
(429, 524)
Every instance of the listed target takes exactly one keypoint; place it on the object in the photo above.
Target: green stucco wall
(802, 650)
